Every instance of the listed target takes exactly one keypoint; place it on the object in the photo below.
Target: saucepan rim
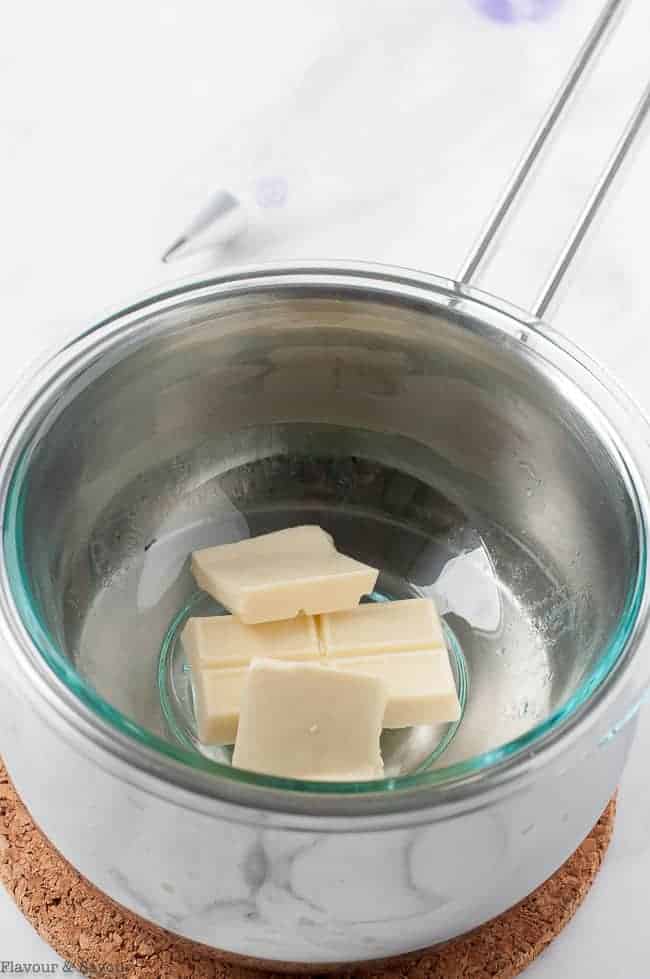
(55, 681)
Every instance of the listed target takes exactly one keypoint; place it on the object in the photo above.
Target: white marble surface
(116, 121)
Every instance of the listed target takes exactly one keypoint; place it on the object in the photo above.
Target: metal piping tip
(172, 251)
(222, 218)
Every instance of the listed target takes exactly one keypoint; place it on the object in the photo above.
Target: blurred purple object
(511, 11)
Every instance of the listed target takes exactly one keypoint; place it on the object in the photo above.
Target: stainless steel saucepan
(452, 440)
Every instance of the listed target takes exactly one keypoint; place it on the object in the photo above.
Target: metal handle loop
(584, 59)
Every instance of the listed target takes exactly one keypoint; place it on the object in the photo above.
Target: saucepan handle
(482, 248)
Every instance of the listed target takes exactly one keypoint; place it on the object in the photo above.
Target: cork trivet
(102, 939)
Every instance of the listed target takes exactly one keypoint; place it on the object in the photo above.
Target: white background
(395, 125)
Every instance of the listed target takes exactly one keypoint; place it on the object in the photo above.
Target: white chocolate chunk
(220, 641)
(304, 720)
(382, 627)
(278, 575)
(217, 699)
(373, 639)
(420, 685)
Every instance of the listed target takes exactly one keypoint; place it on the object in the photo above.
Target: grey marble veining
(259, 886)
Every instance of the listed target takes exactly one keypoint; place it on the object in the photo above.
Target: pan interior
(429, 446)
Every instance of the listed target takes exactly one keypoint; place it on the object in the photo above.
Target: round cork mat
(99, 938)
